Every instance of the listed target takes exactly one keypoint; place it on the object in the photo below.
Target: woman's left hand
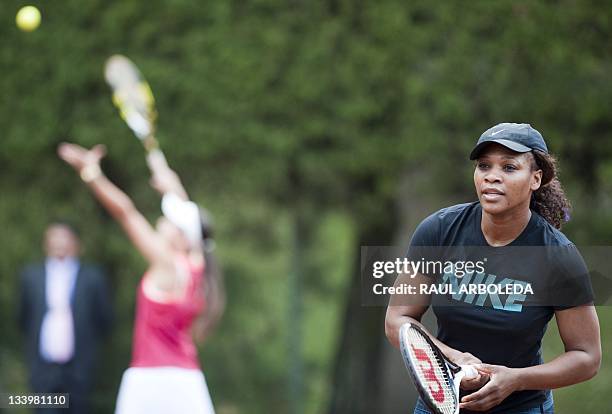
(503, 382)
(79, 157)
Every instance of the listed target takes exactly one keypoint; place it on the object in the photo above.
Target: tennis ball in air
(28, 18)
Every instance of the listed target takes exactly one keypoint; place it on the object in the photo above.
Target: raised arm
(163, 178)
(87, 163)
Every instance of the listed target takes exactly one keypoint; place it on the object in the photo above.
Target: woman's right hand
(79, 157)
(163, 178)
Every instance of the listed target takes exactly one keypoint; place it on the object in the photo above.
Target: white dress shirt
(57, 329)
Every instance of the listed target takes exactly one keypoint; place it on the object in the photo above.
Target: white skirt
(163, 390)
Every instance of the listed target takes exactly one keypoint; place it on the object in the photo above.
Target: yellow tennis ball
(28, 18)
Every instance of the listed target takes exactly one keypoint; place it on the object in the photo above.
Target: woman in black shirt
(520, 203)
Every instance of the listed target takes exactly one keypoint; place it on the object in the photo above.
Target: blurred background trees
(308, 129)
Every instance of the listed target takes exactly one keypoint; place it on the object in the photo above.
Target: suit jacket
(92, 315)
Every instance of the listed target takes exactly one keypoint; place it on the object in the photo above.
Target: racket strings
(435, 380)
(132, 95)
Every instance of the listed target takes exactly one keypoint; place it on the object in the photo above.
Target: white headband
(185, 215)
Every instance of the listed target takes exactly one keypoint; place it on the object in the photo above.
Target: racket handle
(150, 143)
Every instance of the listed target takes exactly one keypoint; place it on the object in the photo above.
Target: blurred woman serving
(181, 284)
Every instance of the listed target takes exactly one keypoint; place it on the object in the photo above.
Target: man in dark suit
(64, 313)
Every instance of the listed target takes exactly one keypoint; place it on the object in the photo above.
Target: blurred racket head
(133, 97)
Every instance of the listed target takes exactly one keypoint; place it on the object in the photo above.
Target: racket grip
(150, 143)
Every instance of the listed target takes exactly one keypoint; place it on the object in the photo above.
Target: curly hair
(549, 200)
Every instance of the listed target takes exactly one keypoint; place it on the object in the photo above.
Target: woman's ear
(536, 180)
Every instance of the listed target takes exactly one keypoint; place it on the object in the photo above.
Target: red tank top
(162, 330)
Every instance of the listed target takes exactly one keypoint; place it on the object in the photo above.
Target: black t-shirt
(497, 334)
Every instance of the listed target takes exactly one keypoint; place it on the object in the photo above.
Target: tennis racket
(133, 97)
(435, 377)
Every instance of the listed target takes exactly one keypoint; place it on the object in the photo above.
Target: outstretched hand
(79, 157)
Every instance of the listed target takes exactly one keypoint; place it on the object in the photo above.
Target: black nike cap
(516, 137)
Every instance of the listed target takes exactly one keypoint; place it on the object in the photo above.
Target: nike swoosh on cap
(497, 132)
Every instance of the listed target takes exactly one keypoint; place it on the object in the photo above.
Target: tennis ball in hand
(28, 18)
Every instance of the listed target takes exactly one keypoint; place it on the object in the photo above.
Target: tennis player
(520, 203)
(181, 281)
